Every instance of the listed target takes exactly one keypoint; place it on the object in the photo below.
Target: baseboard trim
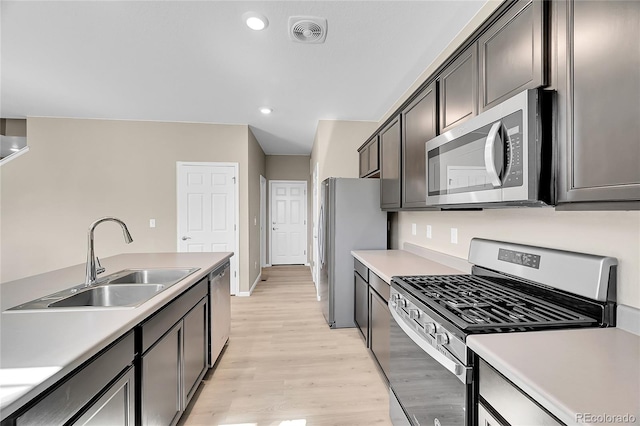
(248, 293)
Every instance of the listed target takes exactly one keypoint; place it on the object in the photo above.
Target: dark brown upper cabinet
(598, 80)
(458, 89)
(512, 53)
(370, 158)
(419, 124)
(390, 154)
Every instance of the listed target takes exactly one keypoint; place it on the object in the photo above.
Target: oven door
(432, 389)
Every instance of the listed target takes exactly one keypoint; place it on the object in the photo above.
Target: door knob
(274, 228)
(186, 238)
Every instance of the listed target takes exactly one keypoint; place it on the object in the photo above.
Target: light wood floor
(283, 364)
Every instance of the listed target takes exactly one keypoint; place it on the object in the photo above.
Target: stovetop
(485, 304)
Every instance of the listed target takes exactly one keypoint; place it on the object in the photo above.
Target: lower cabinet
(98, 393)
(161, 387)
(116, 407)
(380, 328)
(361, 308)
(174, 347)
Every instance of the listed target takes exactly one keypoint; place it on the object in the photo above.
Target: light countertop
(592, 371)
(389, 263)
(38, 348)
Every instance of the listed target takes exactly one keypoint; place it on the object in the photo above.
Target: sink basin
(111, 295)
(146, 276)
(124, 289)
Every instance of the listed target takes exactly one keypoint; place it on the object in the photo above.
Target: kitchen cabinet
(195, 347)
(498, 395)
(511, 53)
(369, 156)
(390, 155)
(86, 396)
(220, 311)
(419, 124)
(458, 89)
(174, 356)
(379, 322)
(597, 45)
(115, 407)
(361, 299)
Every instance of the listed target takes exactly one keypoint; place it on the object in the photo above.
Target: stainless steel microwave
(502, 157)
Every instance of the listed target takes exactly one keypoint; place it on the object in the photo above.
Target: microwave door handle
(489, 154)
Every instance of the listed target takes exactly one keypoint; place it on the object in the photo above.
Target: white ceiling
(196, 61)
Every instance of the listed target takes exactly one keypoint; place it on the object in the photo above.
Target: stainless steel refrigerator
(350, 219)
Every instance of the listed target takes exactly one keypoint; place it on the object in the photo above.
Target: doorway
(288, 235)
(208, 210)
(263, 222)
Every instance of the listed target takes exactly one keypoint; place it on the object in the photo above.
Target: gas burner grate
(477, 303)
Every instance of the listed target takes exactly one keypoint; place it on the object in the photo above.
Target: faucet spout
(91, 271)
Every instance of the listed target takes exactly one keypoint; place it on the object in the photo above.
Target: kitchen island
(39, 348)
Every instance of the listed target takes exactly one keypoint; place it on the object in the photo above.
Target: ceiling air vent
(307, 29)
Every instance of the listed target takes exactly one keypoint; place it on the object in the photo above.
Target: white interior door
(208, 211)
(288, 200)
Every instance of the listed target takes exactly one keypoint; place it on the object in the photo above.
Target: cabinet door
(380, 329)
(512, 53)
(364, 161)
(458, 84)
(390, 165)
(599, 102)
(116, 407)
(195, 348)
(361, 309)
(161, 380)
(374, 155)
(419, 123)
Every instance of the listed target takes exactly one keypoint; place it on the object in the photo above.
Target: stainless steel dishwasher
(220, 311)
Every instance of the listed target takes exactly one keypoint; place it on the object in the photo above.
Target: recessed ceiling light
(255, 21)
(266, 111)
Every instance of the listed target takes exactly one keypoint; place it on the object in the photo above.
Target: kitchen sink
(111, 295)
(124, 289)
(147, 276)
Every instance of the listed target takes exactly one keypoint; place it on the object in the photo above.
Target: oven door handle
(490, 156)
(459, 370)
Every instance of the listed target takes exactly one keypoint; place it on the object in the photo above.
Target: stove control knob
(430, 328)
(442, 338)
(414, 314)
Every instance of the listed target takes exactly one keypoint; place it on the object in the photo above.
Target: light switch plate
(152, 223)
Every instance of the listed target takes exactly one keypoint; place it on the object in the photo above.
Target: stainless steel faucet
(92, 271)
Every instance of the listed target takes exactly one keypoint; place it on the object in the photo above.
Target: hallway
(284, 366)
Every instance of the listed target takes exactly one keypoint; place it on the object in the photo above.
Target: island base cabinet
(195, 348)
(115, 407)
(161, 380)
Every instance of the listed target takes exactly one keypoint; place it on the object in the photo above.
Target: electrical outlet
(255, 265)
(152, 223)
(414, 229)
(454, 235)
(429, 235)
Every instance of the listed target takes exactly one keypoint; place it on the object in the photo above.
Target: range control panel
(519, 258)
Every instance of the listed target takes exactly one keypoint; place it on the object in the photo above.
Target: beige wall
(256, 167)
(335, 147)
(614, 234)
(80, 170)
(290, 167)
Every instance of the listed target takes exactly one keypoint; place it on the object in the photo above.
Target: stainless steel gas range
(512, 288)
